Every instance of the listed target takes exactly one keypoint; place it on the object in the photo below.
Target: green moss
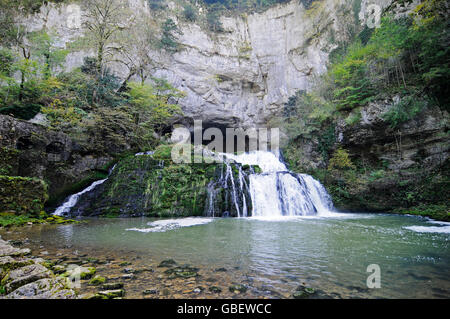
(155, 186)
(22, 195)
(97, 280)
(9, 219)
(438, 212)
(9, 161)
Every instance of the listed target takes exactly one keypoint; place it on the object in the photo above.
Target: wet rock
(110, 294)
(125, 263)
(198, 289)
(215, 289)
(168, 263)
(237, 288)
(184, 271)
(24, 275)
(97, 280)
(9, 263)
(8, 250)
(303, 292)
(112, 286)
(129, 271)
(47, 288)
(59, 269)
(83, 272)
(151, 291)
(128, 276)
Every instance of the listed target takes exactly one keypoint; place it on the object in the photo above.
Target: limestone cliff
(239, 76)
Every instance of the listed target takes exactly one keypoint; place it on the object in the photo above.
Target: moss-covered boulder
(22, 195)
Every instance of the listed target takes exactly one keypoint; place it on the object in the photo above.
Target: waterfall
(278, 192)
(72, 200)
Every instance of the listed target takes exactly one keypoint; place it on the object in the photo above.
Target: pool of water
(331, 253)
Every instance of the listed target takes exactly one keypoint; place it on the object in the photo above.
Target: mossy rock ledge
(156, 187)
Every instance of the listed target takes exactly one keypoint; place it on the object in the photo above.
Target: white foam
(429, 229)
(171, 224)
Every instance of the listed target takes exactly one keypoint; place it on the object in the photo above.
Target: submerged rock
(303, 292)
(150, 291)
(215, 289)
(110, 294)
(167, 263)
(237, 288)
(112, 286)
(184, 271)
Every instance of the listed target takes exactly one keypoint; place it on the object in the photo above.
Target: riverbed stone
(237, 288)
(215, 289)
(303, 292)
(24, 275)
(112, 286)
(97, 280)
(150, 291)
(167, 263)
(47, 288)
(9, 263)
(110, 294)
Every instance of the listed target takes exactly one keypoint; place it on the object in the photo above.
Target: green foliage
(303, 115)
(157, 4)
(340, 160)
(189, 12)
(153, 107)
(438, 212)
(250, 5)
(213, 18)
(168, 40)
(405, 110)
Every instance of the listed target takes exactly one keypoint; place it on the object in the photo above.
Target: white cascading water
(278, 192)
(72, 200)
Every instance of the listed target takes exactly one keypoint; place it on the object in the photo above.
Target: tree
(135, 50)
(168, 40)
(213, 18)
(45, 49)
(104, 20)
(153, 106)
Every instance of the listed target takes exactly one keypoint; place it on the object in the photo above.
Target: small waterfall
(227, 194)
(278, 192)
(72, 200)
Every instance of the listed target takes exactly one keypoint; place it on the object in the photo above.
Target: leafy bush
(340, 160)
(403, 111)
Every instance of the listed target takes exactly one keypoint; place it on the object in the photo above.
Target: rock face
(22, 277)
(240, 76)
(400, 167)
(51, 155)
(419, 143)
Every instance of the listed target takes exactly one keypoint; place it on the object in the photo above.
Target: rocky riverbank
(23, 276)
(117, 274)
